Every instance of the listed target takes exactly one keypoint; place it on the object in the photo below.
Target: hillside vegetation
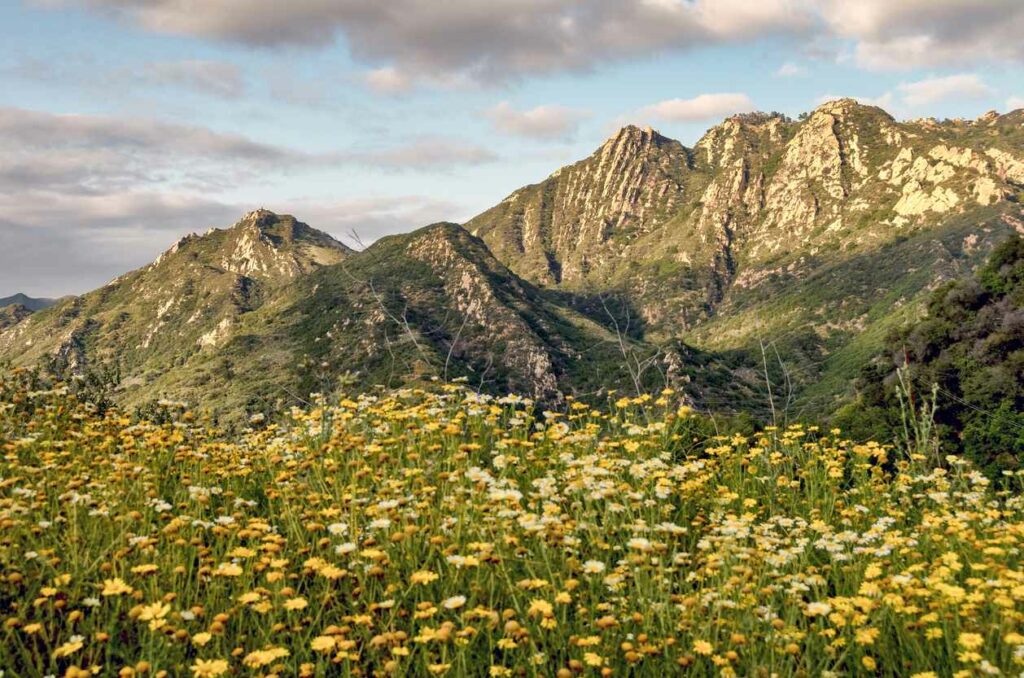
(970, 350)
(445, 532)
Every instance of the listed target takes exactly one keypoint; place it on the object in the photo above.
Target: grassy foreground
(447, 533)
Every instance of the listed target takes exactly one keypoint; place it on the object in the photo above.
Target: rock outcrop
(704, 241)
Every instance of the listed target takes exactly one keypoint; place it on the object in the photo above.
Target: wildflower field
(447, 533)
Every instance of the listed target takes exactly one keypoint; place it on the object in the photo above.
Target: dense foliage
(445, 532)
(969, 354)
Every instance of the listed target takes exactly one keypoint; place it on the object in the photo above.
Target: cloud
(1013, 103)
(89, 154)
(85, 197)
(52, 244)
(790, 70)
(40, 129)
(468, 40)
(409, 41)
(964, 86)
(215, 78)
(388, 80)
(75, 243)
(421, 154)
(911, 34)
(208, 77)
(700, 108)
(542, 122)
(911, 96)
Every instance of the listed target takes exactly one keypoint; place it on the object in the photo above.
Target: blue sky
(124, 125)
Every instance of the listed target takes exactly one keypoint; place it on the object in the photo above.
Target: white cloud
(487, 42)
(89, 153)
(964, 86)
(92, 153)
(84, 198)
(423, 153)
(744, 19)
(927, 33)
(542, 122)
(790, 70)
(910, 97)
(1013, 103)
(388, 80)
(53, 244)
(469, 40)
(700, 108)
(216, 78)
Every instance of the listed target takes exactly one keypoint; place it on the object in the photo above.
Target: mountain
(263, 313)
(759, 270)
(30, 303)
(812, 237)
(160, 317)
(436, 302)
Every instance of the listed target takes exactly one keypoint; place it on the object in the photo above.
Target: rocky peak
(741, 135)
(260, 218)
(261, 244)
(847, 107)
(440, 229)
(278, 230)
(446, 247)
(755, 122)
(757, 118)
(631, 146)
(269, 244)
(757, 193)
(631, 136)
(988, 117)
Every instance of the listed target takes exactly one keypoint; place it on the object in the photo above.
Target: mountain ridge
(760, 205)
(30, 303)
(646, 262)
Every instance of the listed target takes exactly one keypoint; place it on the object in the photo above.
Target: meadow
(442, 532)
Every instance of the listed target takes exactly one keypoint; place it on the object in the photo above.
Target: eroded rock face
(580, 218)
(468, 284)
(645, 214)
(264, 244)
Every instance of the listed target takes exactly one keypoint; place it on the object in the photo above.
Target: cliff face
(755, 190)
(577, 221)
(732, 240)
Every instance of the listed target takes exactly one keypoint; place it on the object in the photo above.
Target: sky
(125, 124)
